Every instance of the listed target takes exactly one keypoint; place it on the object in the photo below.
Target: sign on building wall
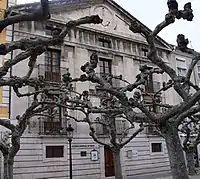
(94, 155)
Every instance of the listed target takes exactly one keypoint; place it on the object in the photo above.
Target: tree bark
(117, 163)
(5, 174)
(175, 152)
(10, 167)
(190, 162)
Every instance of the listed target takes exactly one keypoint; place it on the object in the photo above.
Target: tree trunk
(10, 167)
(175, 152)
(5, 174)
(117, 162)
(190, 162)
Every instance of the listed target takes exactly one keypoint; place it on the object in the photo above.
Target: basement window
(156, 147)
(54, 151)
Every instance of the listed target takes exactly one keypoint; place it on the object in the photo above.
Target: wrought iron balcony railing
(52, 126)
(112, 79)
(51, 73)
(152, 87)
(120, 126)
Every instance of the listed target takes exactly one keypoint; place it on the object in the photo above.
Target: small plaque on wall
(129, 154)
(94, 155)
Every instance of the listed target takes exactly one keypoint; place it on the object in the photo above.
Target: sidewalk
(192, 177)
(165, 177)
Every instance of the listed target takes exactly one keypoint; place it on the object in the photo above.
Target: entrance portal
(109, 162)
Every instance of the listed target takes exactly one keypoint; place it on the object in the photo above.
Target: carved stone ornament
(106, 14)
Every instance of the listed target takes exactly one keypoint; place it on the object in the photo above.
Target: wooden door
(109, 162)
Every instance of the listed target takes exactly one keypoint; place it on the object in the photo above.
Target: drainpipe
(11, 57)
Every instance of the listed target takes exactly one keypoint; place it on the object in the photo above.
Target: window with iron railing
(51, 70)
(106, 72)
(151, 86)
(120, 126)
(51, 123)
(52, 64)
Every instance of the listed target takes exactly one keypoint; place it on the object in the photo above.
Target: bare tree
(106, 114)
(105, 117)
(10, 151)
(167, 123)
(31, 49)
(191, 130)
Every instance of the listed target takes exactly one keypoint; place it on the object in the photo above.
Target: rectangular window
(104, 43)
(105, 67)
(181, 71)
(52, 65)
(156, 147)
(38, 26)
(83, 153)
(53, 126)
(144, 52)
(199, 75)
(160, 54)
(54, 151)
(181, 67)
(149, 84)
(52, 29)
(26, 26)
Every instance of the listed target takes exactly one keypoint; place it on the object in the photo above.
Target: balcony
(151, 130)
(120, 125)
(51, 73)
(52, 126)
(116, 82)
(152, 95)
(152, 87)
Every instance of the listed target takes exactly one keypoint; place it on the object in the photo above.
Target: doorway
(109, 162)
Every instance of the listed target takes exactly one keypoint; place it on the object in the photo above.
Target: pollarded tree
(106, 119)
(191, 130)
(167, 122)
(108, 115)
(30, 50)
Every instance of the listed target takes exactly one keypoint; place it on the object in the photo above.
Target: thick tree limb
(40, 14)
(6, 123)
(132, 136)
(191, 67)
(38, 46)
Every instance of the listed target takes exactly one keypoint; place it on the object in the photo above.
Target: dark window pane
(54, 151)
(52, 65)
(105, 68)
(156, 147)
(104, 43)
(83, 153)
(144, 52)
(149, 84)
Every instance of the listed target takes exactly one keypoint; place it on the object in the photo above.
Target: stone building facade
(124, 52)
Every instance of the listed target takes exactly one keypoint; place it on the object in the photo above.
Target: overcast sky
(152, 12)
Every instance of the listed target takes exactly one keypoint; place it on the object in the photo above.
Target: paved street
(166, 177)
(192, 177)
